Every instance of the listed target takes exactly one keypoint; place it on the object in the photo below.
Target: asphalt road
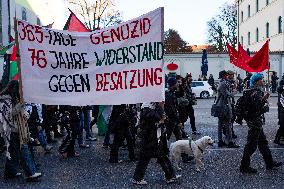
(92, 170)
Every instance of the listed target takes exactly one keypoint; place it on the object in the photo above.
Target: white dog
(196, 149)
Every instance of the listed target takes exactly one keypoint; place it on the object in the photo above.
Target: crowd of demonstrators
(146, 127)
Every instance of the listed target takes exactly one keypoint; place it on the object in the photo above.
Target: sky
(188, 17)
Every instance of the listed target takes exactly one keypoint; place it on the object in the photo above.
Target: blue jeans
(41, 138)
(79, 131)
(27, 160)
(12, 165)
(85, 122)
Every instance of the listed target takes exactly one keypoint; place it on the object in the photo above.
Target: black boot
(232, 145)
(221, 144)
(274, 165)
(249, 170)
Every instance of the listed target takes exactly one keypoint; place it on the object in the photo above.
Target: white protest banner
(122, 64)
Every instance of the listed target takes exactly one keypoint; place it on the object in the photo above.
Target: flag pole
(268, 80)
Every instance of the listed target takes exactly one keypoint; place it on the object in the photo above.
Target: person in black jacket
(153, 143)
(274, 79)
(121, 128)
(71, 120)
(256, 137)
(280, 131)
(171, 109)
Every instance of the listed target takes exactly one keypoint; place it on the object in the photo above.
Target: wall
(191, 63)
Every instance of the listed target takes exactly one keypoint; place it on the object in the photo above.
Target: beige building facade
(260, 20)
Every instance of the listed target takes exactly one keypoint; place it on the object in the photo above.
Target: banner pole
(163, 42)
(18, 60)
(23, 132)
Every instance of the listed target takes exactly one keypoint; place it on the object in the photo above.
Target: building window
(267, 30)
(242, 40)
(280, 24)
(242, 16)
(248, 11)
(38, 21)
(257, 35)
(248, 38)
(24, 14)
(257, 5)
(267, 2)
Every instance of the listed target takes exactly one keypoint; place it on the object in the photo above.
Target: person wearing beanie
(256, 138)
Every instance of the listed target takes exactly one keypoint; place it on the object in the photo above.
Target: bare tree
(222, 29)
(96, 14)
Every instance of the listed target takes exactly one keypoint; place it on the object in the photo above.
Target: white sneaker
(172, 180)
(36, 175)
(141, 182)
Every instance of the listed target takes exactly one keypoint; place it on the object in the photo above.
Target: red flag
(258, 63)
(74, 24)
(236, 58)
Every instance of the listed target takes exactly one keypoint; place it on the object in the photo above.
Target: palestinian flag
(14, 71)
(4, 50)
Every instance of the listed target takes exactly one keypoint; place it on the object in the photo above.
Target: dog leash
(190, 140)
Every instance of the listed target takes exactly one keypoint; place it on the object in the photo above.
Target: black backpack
(243, 105)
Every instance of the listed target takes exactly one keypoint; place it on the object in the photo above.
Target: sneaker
(232, 145)
(91, 138)
(274, 165)
(34, 176)
(141, 182)
(248, 170)
(172, 180)
(221, 144)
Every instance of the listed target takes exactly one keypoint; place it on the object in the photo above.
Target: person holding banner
(13, 125)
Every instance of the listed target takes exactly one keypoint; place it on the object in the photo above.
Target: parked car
(202, 89)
